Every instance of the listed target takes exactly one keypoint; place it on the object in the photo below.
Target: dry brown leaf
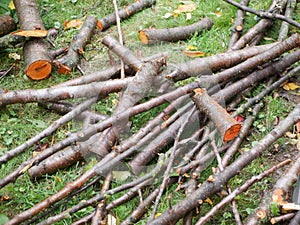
(187, 8)
(209, 201)
(73, 24)
(298, 127)
(194, 54)
(31, 33)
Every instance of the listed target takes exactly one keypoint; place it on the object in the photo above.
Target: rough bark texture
(208, 188)
(124, 13)
(227, 126)
(7, 25)
(71, 59)
(150, 36)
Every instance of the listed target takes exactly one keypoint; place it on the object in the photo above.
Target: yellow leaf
(11, 5)
(218, 13)
(176, 13)
(14, 56)
(191, 48)
(194, 54)
(187, 7)
(209, 201)
(290, 86)
(73, 24)
(157, 215)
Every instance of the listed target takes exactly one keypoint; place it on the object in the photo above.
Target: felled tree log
(7, 25)
(150, 36)
(238, 25)
(212, 64)
(208, 188)
(71, 59)
(37, 59)
(256, 32)
(284, 29)
(122, 52)
(227, 126)
(124, 13)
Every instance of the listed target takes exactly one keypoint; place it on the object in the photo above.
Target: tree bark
(71, 59)
(7, 25)
(37, 59)
(208, 188)
(150, 36)
(124, 13)
(227, 126)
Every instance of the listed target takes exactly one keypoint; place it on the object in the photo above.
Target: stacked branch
(173, 147)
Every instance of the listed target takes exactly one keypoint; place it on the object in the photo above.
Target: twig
(239, 190)
(170, 164)
(264, 14)
(290, 7)
(120, 35)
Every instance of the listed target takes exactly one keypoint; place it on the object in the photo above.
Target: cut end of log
(39, 70)
(143, 37)
(63, 69)
(232, 132)
(99, 25)
(239, 28)
(199, 91)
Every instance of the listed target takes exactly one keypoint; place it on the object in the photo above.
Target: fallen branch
(150, 36)
(124, 13)
(269, 15)
(214, 63)
(238, 27)
(290, 7)
(71, 59)
(240, 190)
(209, 188)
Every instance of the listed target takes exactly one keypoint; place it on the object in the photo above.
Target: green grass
(21, 122)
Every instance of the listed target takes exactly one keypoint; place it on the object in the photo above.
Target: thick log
(227, 126)
(71, 59)
(7, 25)
(150, 36)
(37, 59)
(124, 13)
(238, 24)
(212, 64)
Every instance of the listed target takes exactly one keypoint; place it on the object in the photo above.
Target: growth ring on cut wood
(39, 70)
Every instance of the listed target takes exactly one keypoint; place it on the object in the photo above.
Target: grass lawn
(21, 122)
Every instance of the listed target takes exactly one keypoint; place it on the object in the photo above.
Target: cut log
(7, 25)
(150, 36)
(124, 13)
(228, 126)
(37, 59)
(71, 59)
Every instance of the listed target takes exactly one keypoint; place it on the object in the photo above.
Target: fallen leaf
(290, 134)
(31, 33)
(298, 142)
(209, 201)
(290, 86)
(218, 13)
(188, 16)
(194, 54)
(14, 56)
(187, 7)
(176, 13)
(191, 48)
(211, 178)
(73, 24)
(167, 15)
(11, 5)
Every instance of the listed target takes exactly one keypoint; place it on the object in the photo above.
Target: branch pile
(190, 130)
